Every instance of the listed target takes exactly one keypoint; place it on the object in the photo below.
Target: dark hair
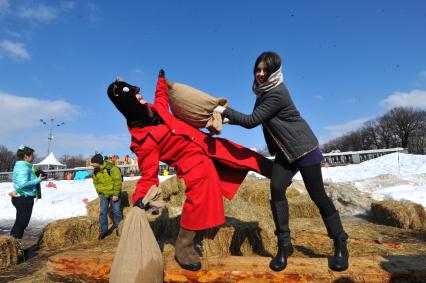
(97, 158)
(272, 61)
(22, 151)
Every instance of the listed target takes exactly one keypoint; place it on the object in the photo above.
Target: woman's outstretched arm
(264, 111)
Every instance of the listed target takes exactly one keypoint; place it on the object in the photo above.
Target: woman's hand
(219, 109)
(225, 121)
(161, 74)
(114, 198)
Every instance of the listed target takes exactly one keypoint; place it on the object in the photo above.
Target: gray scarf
(274, 79)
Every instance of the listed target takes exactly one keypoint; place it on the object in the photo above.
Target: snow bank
(398, 164)
(66, 200)
(396, 176)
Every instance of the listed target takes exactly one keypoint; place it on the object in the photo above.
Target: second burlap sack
(195, 107)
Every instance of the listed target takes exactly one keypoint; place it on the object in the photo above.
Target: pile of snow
(398, 164)
(396, 176)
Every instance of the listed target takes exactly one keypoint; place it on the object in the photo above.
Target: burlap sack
(195, 107)
(138, 257)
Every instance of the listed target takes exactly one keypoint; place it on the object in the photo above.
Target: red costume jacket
(232, 161)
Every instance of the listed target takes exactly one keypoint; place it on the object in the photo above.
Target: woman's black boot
(285, 248)
(340, 260)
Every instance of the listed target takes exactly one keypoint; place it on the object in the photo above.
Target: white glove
(225, 121)
(219, 109)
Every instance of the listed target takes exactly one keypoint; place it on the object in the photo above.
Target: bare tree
(400, 127)
(7, 159)
(385, 131)
(417, 140)
(72, 161)
(370, 135)
(404, 123)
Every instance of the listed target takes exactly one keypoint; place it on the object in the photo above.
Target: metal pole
(50, 140)
(51, 125)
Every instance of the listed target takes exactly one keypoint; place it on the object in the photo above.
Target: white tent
(50, 162)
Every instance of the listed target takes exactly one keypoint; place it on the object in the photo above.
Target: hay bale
(93, 208)
(9, 251)
(237, 238)
(257, 192)
(172, 186)
(292, 192)
(302, 207)
(402, 214)
(129, 186)
(68, 232)
(248, 231)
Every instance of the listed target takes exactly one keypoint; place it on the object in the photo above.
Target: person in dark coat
(295, 147)
(212, 168)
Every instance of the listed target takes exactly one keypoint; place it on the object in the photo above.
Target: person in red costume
(211, 167)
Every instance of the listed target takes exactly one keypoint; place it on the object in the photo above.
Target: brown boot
(185, 253)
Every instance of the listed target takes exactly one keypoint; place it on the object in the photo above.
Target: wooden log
(255, 269)
(83, 266)
(80, 266)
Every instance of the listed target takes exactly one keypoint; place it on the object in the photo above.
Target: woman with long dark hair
(295, 147)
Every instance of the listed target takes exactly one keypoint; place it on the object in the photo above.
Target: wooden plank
(82, 266)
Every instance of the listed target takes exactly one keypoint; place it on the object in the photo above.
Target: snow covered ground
(66, 200)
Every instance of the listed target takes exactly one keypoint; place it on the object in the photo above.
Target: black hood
(122, 95)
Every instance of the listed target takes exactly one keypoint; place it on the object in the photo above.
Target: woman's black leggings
(282, 173)
(24, 209)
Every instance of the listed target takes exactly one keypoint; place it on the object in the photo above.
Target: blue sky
(344, 62)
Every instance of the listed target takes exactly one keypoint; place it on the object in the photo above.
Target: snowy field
(396, 175)
(66, 200)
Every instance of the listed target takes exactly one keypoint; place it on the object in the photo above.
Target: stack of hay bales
(66, 233)
(257, 193)
(249, 227)
(72, 231)
(9, 251)
(254, 191)
(402, 214)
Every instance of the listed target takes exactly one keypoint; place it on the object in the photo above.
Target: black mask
(122, 95)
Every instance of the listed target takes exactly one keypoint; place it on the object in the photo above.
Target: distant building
(355, 157)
